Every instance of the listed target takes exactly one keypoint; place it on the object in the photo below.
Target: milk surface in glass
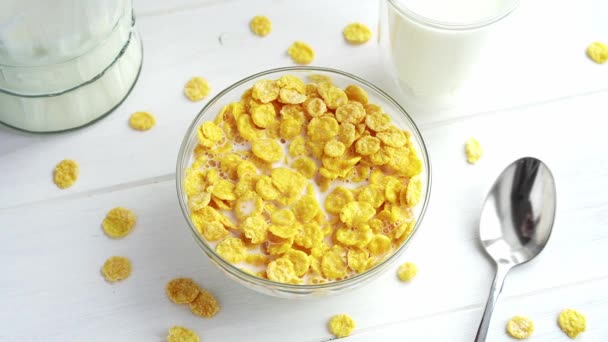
(432, 45)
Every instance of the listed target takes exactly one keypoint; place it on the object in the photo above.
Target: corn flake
(301, 53)
(357, 259)
(204, 305)
(182, 290)
(306, 166)
(315, 107)
(520, 327)
(300, 261)
(379, 245)
(263, 115)
(333, 96)
(267, 149)
(414, 191)
(341, 325)
(196, 89)
(282, 270)
(118, 222)
(598, 52)
(287, 181)
(142, 121)
(232, 249)
(65, 173)
(367, 145)
(356, 93)
(473, 150)
(181, 334)
(333, 263)
(407, 271)
(116, 268)
(260, 25)
(289, 128)
(309, 235)
(357, 33)
(359, 236)
(334, 148)
(322, 129)
(265, 91)
(306, 208)
(352, 112)
(356, 213)
(572, 322)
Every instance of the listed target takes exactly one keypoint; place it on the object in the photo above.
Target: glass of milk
(431, 46)
(65, 63)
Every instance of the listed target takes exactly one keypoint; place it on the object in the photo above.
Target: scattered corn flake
(407, 271)
(118, 222)
(232, 249)
(260, 25)
(182, 290)
(473, 150)
(572, 322)
(341, 325)
(357, 33)
(356, 93)
(116, 268)
(196, 89)
(181, 334)
(520, 327)
(204, 305)
(282, 270)
(301, 53)
(598, 52)
(267, 149)
(65, 173)
(142, 121)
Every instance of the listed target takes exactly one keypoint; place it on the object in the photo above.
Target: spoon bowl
(516, 222)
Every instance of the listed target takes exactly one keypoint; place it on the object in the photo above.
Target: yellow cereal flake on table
(204, 305)
(260, 25)
(65, 173)
(598, 52)
(116, 268)
(352, 112)
(357, 33)
(267, 149)
(367, 145)
(265, 91)
(473, 150)
(281, 270)
(196, 89)
(414, 191)
(181, 334)
(356, 93)
(182, 290)
(520, 327)
(341, 325)
(333, 263)
(333, 96)
(572, 322)
(306, 166)
(356, 213)
(263, 115)
(301, 53)
(232, 249)
(142, 121)
(334, 148)
(315, 107)
(407, 271)
(118, 222)
(300, 261)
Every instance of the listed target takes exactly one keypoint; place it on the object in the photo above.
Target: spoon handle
(499, 279)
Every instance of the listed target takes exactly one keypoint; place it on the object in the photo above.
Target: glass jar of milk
(431, 46)
(65, 63)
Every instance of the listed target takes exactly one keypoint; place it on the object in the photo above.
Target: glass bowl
(233, 93)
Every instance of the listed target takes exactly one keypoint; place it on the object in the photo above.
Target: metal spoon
(516, 222)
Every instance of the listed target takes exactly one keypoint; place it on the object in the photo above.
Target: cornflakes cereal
(318, 78)
(330, 135)
(116, 268)
(204, 305)
(407, 271)
(357, 33)
(301, 53)
(196, 89)
(267, 150)
(282, 270)
(118, 222)
(182, 290)
(142, 121)
(572, 322)
(598, 52)
(520, 327)
(356, 93)
(181, 334)
(260, 25)
(473, 150)
(341, 325)
(232, 249)
(65, 173)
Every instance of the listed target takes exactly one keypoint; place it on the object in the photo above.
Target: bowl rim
(238, 272)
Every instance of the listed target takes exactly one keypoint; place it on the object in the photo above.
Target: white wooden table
(541, 97)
